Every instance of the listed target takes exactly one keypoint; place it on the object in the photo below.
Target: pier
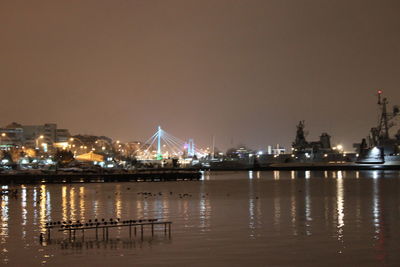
(156, 175)
(102, 227)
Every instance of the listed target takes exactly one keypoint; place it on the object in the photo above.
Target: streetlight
(103, 144)
(1, 139)
(37, 141)
(82, 145)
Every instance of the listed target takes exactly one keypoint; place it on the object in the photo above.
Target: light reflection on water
(340, 205)
(350, 213)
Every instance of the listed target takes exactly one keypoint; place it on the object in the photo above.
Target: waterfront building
(33, 136)
(11, 136)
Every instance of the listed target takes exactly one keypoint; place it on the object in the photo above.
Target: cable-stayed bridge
(162, 145)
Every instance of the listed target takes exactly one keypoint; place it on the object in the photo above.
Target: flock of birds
(150, 194)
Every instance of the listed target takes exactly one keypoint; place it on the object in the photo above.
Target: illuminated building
(33, 136)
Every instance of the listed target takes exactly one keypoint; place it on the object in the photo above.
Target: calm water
(230, 219)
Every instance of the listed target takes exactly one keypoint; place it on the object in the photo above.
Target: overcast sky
(244, 71)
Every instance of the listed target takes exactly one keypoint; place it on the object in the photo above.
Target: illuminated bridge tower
(159, 133)
(191, 150)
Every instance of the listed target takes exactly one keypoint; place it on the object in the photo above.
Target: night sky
(244, 71)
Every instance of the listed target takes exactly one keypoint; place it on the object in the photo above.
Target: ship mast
(383, 128)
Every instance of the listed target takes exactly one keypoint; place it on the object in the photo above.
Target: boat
(382, 146)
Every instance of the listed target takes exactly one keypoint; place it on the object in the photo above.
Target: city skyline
(245, 72)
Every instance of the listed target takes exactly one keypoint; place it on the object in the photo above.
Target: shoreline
(137, 176)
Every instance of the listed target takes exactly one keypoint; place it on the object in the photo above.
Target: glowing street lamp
(41, 137)
(1, 139)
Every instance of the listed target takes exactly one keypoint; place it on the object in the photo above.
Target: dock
(102, 227)
(149, 175)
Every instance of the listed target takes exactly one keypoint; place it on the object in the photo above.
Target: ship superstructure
(380, 146)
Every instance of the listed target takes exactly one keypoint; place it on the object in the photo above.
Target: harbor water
(280, 218)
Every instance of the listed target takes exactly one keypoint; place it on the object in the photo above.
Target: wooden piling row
(105, 226)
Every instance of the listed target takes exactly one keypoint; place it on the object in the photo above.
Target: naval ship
(380, 150)
(309, 154)
(382, 146)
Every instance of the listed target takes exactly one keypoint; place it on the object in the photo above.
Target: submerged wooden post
(152, 229)
(141, 231)
(41, 239)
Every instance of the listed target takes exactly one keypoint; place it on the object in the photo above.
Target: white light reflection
(258, 174)
(72, 204)
(4, 234)
(292, 174)
(159, 207)
(252, 226)
(276, 175)
(42, 207)
(165, 208)
(251, 216)
(24, 210)
(202, 176)
(375, 204)
(277, 207)
(95, 207)
(118, 204)
(48, 205)
(23, 205)
(145, 208)
(250, 174)
(340, 205)
(207, 175)
(64, 203)
(35, 215)
(82, 203)
(139, 208)
(326, 175)
(357, 174)
(205, 210)
(186, 215)
(293, 208)
(308, 206)
(308, 174)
